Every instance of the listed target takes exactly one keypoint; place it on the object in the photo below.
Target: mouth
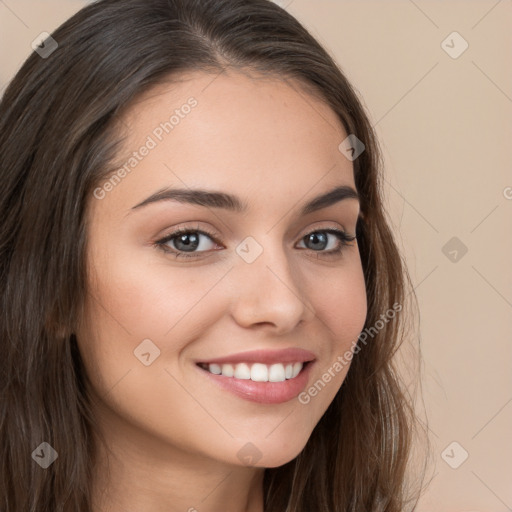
(257, 372)
(259, 383)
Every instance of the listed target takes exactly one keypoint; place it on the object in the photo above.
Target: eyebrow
(214, 199)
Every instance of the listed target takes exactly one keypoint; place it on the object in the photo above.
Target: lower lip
(263, 392)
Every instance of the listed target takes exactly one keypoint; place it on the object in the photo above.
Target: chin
(268, 455)
(278, 459)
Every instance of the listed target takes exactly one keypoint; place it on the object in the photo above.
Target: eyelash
(343, 237)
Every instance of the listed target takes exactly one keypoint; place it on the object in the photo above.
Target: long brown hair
(57, 142)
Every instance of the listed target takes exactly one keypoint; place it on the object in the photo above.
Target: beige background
(445, 126)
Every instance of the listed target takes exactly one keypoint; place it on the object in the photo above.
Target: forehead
(246, 134)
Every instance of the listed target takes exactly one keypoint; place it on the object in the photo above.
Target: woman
(201, 295)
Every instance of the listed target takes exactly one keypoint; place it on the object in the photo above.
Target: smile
(253, 381)
(257, 372)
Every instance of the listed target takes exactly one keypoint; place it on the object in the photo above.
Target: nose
(269, 291)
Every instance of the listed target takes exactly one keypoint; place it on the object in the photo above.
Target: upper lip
(289, 355)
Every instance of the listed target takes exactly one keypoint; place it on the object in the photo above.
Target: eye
(319, 239)
(187, 242)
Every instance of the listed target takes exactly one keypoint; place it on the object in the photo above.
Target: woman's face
(265, 278)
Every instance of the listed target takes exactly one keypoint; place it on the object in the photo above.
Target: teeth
(215, 368)
(277, 373)
(258, 372)
(242, 371)
(228, 370)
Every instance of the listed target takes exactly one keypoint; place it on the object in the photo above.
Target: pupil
(315, 237)
(193, 244)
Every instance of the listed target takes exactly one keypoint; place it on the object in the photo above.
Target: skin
(172, 438)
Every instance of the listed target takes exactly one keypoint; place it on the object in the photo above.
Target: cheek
(340, 302)
(135, 299)
(131, 302)
(149, 298)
